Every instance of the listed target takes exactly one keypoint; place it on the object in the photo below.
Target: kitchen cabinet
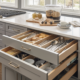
(9, 30)
(2, 32)
(31, 71)
(8, 74)
(23, 69)
(15, 29)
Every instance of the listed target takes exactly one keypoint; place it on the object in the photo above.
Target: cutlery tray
(37, 36)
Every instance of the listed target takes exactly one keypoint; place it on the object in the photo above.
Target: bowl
(31, 61)
(63, 23)
(49, 69)
(64, 26)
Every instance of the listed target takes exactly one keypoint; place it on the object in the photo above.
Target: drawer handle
(16, 30)
(13, 65)
(27, 49)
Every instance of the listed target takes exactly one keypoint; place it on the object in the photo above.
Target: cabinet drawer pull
(13, 65)
(28, 49)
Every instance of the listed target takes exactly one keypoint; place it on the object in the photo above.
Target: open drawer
(40, 52)
(31, 71)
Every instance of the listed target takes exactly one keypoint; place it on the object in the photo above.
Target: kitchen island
(17, 24)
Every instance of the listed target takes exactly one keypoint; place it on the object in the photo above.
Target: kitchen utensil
(52, 43)
(44, 42)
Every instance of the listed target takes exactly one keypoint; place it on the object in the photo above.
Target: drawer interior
(47, 41)
(68, 72)
(34, 37)
(21, 55)
(53, 70)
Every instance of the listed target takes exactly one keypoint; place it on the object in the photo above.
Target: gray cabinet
(16, 69)
(10, 30)
(2, 32)
(8, 74)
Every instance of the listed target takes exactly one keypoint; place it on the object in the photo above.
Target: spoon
(52, 43)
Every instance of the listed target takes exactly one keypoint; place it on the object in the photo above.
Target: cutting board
(35, 21)
(39, 21)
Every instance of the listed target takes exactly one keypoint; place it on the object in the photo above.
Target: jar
(53, 12)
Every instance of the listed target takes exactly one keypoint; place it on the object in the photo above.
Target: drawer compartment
(21, 66)
(40, 52)
(31, 71)
(70, 73)
(65, 50)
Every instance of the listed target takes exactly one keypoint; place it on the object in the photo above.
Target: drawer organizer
(15, 59)
(51, 48)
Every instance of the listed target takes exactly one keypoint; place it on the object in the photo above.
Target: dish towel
(75, 23)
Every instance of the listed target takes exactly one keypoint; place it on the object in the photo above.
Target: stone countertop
(73, 32)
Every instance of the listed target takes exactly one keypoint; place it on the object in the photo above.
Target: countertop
(73, 32)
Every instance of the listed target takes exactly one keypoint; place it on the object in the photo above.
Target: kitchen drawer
(70, 73)
(31, 71)
(73, 78)
(2, 26)
(40, 52)
(15, 29)
(25, 69)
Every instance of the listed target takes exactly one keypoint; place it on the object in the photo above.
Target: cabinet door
(10, 74)
(19, 76)
(25, 78)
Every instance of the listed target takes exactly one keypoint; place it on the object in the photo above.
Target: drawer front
(2, 26)
(15, 29)
(24, 68)
(70, 73)
(35, 51)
